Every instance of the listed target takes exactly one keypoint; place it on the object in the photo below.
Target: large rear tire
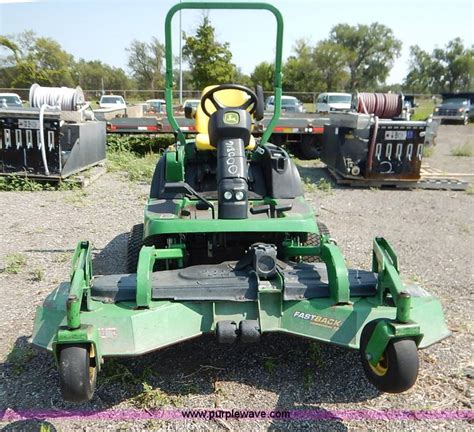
(135, 243)
(314, 240)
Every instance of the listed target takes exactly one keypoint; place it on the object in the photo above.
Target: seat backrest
(229, 97)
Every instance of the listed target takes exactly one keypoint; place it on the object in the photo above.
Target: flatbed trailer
(300, 130)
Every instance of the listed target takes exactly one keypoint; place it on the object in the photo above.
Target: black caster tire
(249, 331)
(77, 372)
(397, 370)
(226, 332)
(135, 243)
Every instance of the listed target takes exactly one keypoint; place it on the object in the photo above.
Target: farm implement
(229, 246)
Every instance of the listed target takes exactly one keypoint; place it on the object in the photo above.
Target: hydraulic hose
(382, 105)
(67, 99)
(43, 143)
(55, 98)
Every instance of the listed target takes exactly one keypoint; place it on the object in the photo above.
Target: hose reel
(54, 98)
(382, 105)
(67, 99)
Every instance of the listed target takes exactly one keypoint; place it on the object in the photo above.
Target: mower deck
(297, 300)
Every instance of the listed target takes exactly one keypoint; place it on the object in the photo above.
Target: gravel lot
(432, 231)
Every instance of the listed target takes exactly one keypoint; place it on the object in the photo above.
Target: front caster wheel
(77, 372)
(397, 369)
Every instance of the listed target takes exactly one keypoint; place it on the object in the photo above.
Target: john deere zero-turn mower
(229, 246)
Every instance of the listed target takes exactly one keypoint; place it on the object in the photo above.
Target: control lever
(184, 188)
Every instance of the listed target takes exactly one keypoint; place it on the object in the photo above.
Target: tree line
(352, 58)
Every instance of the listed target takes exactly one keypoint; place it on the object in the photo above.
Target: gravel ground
(432, 231)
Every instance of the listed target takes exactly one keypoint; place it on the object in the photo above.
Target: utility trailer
(359, 148)
(48, 142)
(302, 131)
(374, 143)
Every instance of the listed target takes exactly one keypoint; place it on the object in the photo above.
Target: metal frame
(70, 315)
(223, 5)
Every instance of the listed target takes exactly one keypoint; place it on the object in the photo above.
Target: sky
(103, 29)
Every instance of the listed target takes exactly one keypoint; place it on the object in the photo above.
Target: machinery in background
(374, 141)
(54, 138)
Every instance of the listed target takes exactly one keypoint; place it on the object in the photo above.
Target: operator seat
(228, 97)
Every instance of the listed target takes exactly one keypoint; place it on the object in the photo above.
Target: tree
(447, 69)
(299, 72)
(145, 60)
(93, 74)
(371, 51)
(37, 59)
(419, 78)
(264, 75)
(242, 78)
(331, 63)
(209, 60)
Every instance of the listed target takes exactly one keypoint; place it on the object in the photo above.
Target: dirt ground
(432, 232)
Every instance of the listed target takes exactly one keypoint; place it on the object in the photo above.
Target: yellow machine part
(230, 98)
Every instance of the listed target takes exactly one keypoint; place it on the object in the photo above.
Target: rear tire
(314, 240)
(77, 372)
(135, 243)
(397, 370)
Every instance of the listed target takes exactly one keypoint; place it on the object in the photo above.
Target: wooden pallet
(429, 180)
(427, 171)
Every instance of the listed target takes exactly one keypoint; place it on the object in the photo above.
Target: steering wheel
(252, 101)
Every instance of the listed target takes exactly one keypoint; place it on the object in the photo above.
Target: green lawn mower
(229, 246)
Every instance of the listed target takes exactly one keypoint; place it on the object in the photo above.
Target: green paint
(175, 164)
(338, 275)
(384, 332)
(223, 5)
(146, 261)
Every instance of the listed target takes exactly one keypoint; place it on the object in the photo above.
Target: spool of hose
(382, 105)
(68, 99)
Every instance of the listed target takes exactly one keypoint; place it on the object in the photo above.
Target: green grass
(16, 183)
(139, 144)
(19, 358)
(138, 168)
(464, 150)
(322, 185)
(424, 109)
(37, 274)
(151, 398)
(470, 190)
(14, 263)
(315, 360)
(465, 228)
(135, 155)
(428, 151)
(270, 364)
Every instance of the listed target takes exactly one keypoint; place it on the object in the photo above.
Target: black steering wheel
(252, 101)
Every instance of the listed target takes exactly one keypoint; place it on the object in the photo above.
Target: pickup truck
(455, 107)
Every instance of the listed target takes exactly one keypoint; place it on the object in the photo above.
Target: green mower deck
(229, 246)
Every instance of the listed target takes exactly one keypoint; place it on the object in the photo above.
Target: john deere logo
(231, 118)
